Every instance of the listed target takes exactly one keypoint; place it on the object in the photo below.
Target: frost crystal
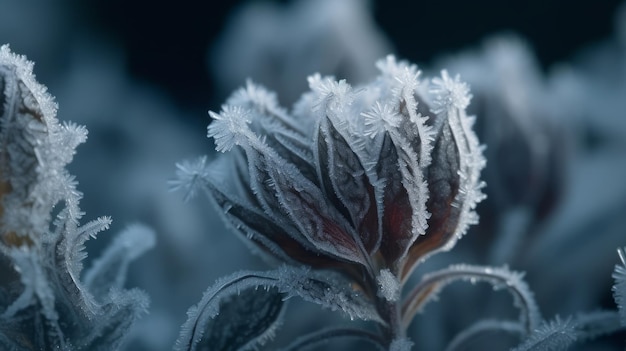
(380, 119)
(389, 286)
(450, 93)
(189, 176)
(229, 128)
(402, 344)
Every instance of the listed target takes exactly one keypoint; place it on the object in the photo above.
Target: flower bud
(361, 180)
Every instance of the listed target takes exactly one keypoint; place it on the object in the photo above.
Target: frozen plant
(45, 303)
(347, 194)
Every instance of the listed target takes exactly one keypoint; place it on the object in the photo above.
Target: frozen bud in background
(526, 148)
(279, 45)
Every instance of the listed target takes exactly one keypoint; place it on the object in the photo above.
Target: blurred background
(168, 45)
(141, 75)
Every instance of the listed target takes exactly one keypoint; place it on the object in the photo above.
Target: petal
(346, 184)
(454, 176)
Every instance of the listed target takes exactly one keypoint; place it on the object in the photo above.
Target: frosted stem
(431, 284)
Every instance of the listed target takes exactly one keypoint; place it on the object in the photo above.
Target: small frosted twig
(326, 335)
(595, 324)
(502, 277)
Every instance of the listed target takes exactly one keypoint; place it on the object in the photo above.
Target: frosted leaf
(388, 285)
(251, 302)
(329, 291)
(251, 312)
(123, 309)
(74, 242)
(333, 293)
(53, 309)
(230, 127)
(110, 269)
(245, 321)
(34, 149)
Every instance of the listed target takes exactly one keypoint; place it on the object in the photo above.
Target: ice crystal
(389, 285)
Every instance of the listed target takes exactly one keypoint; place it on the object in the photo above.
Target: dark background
(166, 42)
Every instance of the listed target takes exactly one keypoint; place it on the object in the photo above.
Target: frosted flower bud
(352, 190)
(368, 181)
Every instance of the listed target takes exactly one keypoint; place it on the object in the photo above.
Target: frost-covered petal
(283, 243)
(293, 200)
(346, 184)
(454, 175)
